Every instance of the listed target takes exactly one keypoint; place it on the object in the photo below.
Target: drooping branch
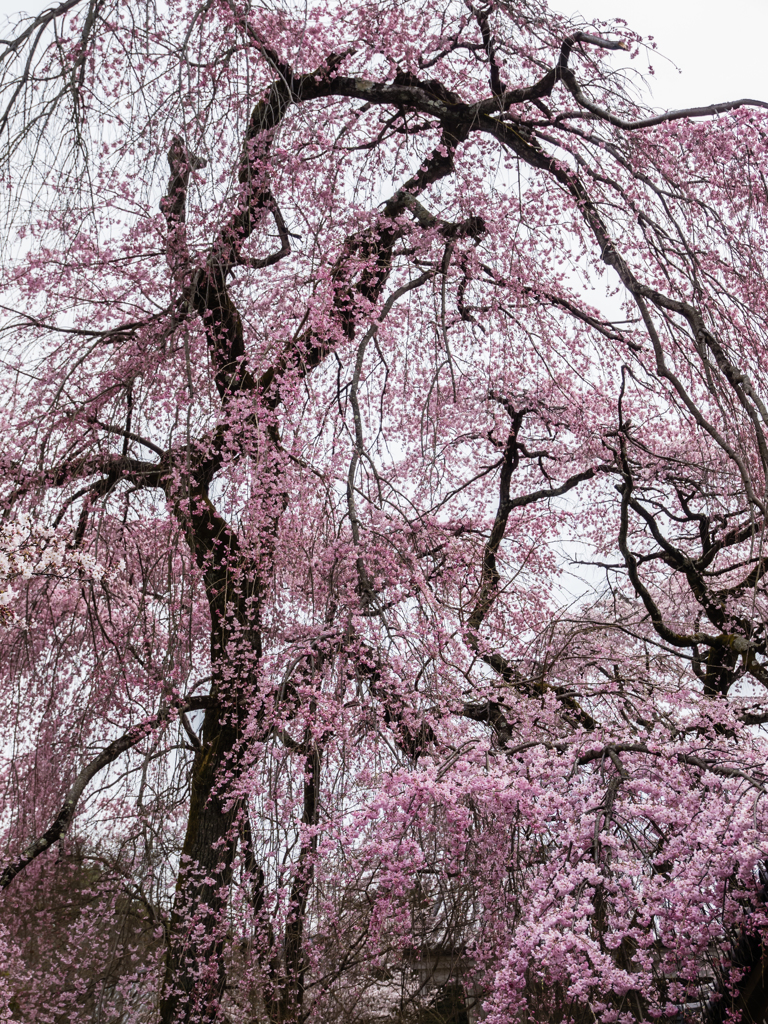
(686, 113)
(61, 823)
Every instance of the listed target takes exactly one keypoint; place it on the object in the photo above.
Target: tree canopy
(384, 489)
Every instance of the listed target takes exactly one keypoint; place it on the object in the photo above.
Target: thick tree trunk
(194, 970)
(194, 973)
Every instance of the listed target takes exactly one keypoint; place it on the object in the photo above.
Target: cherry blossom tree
(385, 477)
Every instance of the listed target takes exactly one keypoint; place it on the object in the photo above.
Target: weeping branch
(61, 822)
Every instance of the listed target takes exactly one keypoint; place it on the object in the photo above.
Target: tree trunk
(194, 972)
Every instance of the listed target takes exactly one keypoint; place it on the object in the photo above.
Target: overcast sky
(718, 47)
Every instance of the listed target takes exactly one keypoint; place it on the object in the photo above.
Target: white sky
(718, 47)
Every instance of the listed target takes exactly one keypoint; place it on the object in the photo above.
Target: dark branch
(62, 821)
